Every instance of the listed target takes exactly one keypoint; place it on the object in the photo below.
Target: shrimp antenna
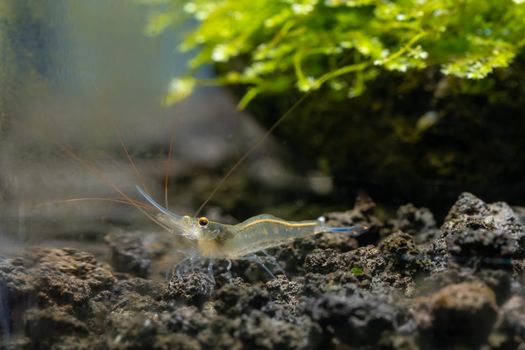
(130, 159)
(166, 174)
(157, 205)
(251, 150)
(120, 200)
(104, 179)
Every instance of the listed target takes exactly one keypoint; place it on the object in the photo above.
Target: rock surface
(406, 284)
(481, 233)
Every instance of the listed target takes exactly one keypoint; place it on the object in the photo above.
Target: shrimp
(235, 242)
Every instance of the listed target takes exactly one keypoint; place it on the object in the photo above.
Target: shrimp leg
(274, 261)
(182, 267)
(257, 259)
(229, 275)
(210, 271)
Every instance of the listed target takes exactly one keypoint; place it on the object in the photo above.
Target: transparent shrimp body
(216, 240)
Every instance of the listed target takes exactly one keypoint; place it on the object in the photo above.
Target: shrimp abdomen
(267, 231)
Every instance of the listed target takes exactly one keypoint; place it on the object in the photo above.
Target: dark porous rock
(61, 283)
(325, 261)
(414, 220)
(459, 314)
(259, 331)
(45, 326)
(194, 287)
(341, 242)
(140, 286)
(144, 331)
(45, 275)
(128, 253)
(358, 320)
(509, 332)
(18, 282)
(376, 270)
(316, 284)
(64, 276)
(129, 295)
(69, 342)
(328, 270)
(369, 259)
(238, 297)
(418, 222)
(520, 211)
(499, 281)
(286, 299)
(283, 289)
(408, 289)
(187, 319)
(221, 334)
(397, 341)
(299, 256)
(17, 293)
(437, 253)
(402, 254)
(481, 233)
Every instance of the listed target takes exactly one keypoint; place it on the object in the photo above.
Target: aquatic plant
(271, 47)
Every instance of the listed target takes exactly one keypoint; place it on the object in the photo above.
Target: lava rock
(286, 299)
(144, 331)
(194, 287)
(44, 326)
(458, 314)
(480, 233)
(16, 279)
(48, 276)
(221, 334)
(128, 253)
(67, 275)
(284, 290)
(402, 254)
(369, 259)
(414, 220)
(400, 292)
(259, 331)
(357, 320)
(499, 281)
(238, 297)
(325, 261)
(509, 332)
(187, 319)
(418, 222)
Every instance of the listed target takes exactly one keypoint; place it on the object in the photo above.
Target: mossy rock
(419, 137)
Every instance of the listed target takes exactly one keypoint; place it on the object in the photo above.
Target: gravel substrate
(405, 284)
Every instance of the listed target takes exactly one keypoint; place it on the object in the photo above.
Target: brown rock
(462, 313)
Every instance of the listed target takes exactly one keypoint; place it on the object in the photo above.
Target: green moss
(440, 107)
(273, 47)
(357, 271)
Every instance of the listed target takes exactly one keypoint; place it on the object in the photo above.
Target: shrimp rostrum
(241, 241)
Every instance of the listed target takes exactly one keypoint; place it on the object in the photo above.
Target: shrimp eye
(203, 221)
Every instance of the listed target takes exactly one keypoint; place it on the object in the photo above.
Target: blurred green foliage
(274, 46)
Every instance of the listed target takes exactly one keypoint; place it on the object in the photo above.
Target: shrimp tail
(354, 230)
